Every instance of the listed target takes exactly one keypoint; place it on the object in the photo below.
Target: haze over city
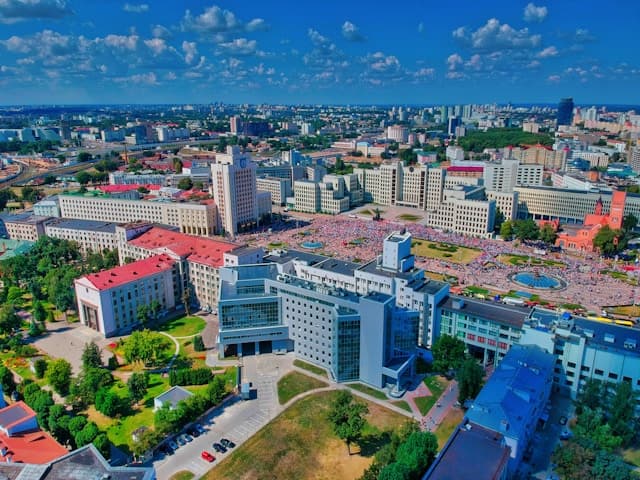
(65, 51)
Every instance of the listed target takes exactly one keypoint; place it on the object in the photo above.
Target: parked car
(219, 448)
(207, 456)
(199, 428)
(181, 441)
(193, 432)
(186, 437)
(227, 443)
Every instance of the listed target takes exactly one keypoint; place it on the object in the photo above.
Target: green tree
(147, 440)
(9, 319)
(608, 241)
(526, 229)
(506, 230)
(347, 417)
(417, 452)
(177, 165)
(109, 402)
(198, 344)
(59, 375)
(91, 356)
(548, 234)
(38, 311)
(137, 386)
(102, 443)
(84, 388)
(83, 177)
(591, 395)
(7, 381)
(215, 390)
(30, 194)
(144, 346)
(470, 378)
(185, 184)
(573, 461)
(85, 436)
(40, 367)
(395, 471)
(142, 314)
(448, 353)
(84, 156)
(629, 222)
(154, 309)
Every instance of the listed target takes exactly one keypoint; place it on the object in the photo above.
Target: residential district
(244, 291)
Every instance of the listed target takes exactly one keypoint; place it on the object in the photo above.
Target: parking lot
(236, 421)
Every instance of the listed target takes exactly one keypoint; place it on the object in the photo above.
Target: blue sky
(328, 51)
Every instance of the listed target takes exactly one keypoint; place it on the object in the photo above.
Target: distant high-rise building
(466, 112)
(453, 123)
(235, 124)
(234, 190)
(398, 133)
(565, 111)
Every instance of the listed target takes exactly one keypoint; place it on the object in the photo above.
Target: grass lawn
(365, 212)
(437, 386)
(476, 290)
(632, 455)
(409, 217)
(310, 367)
(402, 404)
(183, 475)
(294, 383)
(524, 260)
(183, 326)
(448, 425)
(277, 244)
(368, 390)
(299, 444)
(444, 251)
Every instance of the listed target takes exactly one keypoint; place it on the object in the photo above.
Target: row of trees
(527, 230)
(449, 355)
(606, 422)
(477, 141)
(188, 376)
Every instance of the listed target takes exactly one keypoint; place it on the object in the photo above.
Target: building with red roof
(22, 441)
(108, 301)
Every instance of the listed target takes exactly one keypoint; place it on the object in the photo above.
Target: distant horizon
(73, 52)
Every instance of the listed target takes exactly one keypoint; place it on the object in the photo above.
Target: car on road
(563, 420)
(207, 456)
(219, 448)
(227, 443)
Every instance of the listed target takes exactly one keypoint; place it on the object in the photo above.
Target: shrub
(40, 367)
(187, 376)
(198, 344)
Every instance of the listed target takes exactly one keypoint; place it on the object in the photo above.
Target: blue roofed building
(513, 400)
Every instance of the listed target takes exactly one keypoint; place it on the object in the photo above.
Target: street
(237, 421)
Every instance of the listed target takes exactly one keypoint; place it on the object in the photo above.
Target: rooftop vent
(588, 333)
(609, 338)
(630, 343)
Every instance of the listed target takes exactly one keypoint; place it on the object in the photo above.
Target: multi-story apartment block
(279, 188)
(90, 235)
(108, 301)
(475, 218)
(508, 174)
(507, 203)
(23, 226)
(192, 218)
(398, 133)
(48, 207)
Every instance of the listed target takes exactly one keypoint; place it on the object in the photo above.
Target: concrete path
(441, 408)
(177, 350)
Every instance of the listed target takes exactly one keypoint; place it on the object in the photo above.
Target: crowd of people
(360, 240)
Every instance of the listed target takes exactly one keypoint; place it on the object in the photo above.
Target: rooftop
(89, 225)
(201, 250)
(284, 256)
(11, 248)
(341, 267)
(126, 188)
(26, 217)
(174, 395)
(373, 267)
(124, 274)
(15, 414)
(507, 403)
(31, 447)
(471, 453)
(496, 312)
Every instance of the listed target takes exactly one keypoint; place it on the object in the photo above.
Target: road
(237, 421)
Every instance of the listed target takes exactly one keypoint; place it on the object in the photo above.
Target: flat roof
(498, 312)
(201, 250)
(88, 225)
(428, 286)
(373, 267)
(124, 274)
(288, 255)
(471, 453)
(341, 267)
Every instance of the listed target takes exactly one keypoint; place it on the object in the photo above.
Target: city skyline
(71, 52)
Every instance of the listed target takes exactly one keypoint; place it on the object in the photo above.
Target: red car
(207, 456)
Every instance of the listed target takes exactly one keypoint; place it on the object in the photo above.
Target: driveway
(64, 340)
(237, 421)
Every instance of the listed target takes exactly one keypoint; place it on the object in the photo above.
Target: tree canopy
(347, 417)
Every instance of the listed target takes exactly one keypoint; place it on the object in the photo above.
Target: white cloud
(160, 31)
(16, 10)
(384, 63)
(317, 38)
(148, 79)
(496, 36)
(156, 45)
(553, 78)
(453, 61)
(190, 51)
(217, 20)
(533, 13)
(424, 73)
(170, 76)
(125, 42)
(136, 8)
(351, 32)
(239, 46)
(548, 52)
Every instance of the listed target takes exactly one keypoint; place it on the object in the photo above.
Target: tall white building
(398, 133)
(234, 190)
